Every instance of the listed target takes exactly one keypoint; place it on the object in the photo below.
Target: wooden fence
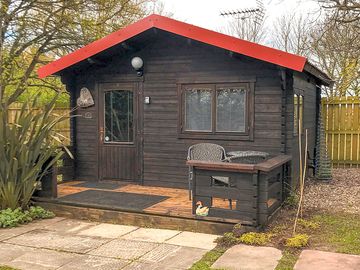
(342, 126)
(62, 128)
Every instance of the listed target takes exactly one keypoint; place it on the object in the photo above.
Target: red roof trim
(230, 43)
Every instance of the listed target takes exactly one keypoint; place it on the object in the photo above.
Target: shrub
(29, 146)
(238, 230)
(227, 240)
(253, 238)
(292, 200)
(12, 218)
(297, 241)
(37, 212)
(308, 224)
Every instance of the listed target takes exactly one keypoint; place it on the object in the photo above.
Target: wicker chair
(207, 152)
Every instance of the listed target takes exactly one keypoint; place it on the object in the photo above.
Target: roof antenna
(257, 13)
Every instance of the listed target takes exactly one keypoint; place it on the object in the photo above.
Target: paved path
(68, 244)
(321, 260)
(243, 257)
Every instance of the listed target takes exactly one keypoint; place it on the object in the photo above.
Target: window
(298, 113)
(230, 109)
(119, 116)
(216, 109)
(198, 109)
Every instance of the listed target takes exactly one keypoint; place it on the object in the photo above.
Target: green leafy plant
(227, 240)
(37, 212)
(292, 200)
(238, 230)
(253, 238)
(297, 241)
(12, 218)
(29, 147)
(308, 224)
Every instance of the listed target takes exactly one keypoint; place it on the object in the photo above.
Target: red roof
(226, 42)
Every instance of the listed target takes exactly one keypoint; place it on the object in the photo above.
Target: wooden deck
(172, 213)
(177, 205)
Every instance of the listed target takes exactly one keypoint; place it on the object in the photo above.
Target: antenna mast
(246, 13)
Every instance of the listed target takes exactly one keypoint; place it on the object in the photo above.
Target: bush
(238, 230)
(12, 218)
(253, 238)
(292, 200)
(298, 241)
(308, 224)
(29, 146)
(227, 240)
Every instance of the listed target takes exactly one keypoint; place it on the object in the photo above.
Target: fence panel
(62, 128)
(342, 128)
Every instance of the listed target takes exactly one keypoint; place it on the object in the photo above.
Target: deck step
(139, 219)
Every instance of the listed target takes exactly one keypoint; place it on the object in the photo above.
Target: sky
(206, 13)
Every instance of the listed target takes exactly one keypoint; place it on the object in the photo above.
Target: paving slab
(108, 230)
(39, 259)
(124, 249)
(321, 260)
(197, 240)
(151, 235)
(243, 257)
(10, 252)
(94, 263)
(71, 226)
(180, 259)
(6, 233)
(56, 241)
(159, 253)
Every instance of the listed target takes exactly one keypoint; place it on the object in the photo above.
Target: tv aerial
(256, 13)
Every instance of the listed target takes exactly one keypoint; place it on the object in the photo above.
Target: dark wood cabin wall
(167, 62)
(87, 133)
(306, 86)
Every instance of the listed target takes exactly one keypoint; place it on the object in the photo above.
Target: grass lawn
(334, 232)
(208, 259)
(339, 233)
(7, 268)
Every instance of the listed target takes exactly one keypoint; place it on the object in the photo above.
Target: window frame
(248, 134)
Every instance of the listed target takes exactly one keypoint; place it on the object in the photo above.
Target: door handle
(101, 132)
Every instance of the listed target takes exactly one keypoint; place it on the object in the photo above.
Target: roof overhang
(254, 50)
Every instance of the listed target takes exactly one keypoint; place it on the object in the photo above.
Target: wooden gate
(342, 126)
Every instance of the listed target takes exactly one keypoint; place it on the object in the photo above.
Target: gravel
(341, 194)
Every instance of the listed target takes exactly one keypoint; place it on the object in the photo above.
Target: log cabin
(160, 85)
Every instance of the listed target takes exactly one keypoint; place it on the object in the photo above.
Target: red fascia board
(226, 42)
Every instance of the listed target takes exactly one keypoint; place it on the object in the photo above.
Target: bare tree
(335, 49)
(291, 34)
(36, 31)
(245, 28)
(346, 11)
(247, 23)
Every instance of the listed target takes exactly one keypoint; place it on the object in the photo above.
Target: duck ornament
(201, 210)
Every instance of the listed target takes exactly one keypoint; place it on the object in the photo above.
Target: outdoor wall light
(137, 63)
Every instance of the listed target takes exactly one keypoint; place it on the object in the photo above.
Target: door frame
(137, 88)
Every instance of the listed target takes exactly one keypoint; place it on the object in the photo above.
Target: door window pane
(119, 116)
(198, 109)
(230, 109)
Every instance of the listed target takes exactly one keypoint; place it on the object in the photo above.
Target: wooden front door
(119, 142)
